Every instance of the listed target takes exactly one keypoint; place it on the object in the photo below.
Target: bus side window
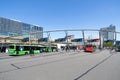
(21, 48)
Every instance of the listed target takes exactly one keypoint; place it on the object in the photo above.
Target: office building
(108, 32)
(12, 28)
(77, 42)
(65, 39)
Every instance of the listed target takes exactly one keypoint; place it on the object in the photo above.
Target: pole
(30, 35)
(83, 37)
(115, 40)
(49, 44)
(67, 47)
(100, 40)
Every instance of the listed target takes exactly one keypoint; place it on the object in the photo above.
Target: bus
(49, 49)
(90, 48)
(16, 49)
(117, 46)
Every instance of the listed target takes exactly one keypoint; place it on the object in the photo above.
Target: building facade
(77, 42)
(65, 39)
(10, 27)
(108, 32)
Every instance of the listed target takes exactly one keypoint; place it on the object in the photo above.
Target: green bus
(16, 49)
(49, 49)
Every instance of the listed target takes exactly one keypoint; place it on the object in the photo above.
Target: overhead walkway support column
(67, 47)
(83, 37)
(49, 43)
(101, 41)
(115, 40)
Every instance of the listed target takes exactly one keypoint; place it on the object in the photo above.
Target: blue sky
(63, 14)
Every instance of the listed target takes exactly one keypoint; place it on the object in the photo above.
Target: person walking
(31, 52)
(6, 50)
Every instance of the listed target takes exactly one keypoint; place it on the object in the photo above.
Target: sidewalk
(4, 55)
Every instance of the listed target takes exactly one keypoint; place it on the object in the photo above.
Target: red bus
(90, 48)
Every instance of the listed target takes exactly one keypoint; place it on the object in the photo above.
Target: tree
(108, 44)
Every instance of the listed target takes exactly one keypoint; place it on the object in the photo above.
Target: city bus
(117, 46)
(90, 48)
(15, 49)
(49, 49)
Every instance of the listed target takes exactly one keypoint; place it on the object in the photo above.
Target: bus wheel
(26, 53)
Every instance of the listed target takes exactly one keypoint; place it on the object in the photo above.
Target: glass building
(10, 27)
(108, 32)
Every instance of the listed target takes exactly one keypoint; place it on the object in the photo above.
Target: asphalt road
(100, 65)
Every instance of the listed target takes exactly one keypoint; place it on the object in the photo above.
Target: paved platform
(100, 65)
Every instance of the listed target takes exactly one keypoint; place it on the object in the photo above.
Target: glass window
(11, 47)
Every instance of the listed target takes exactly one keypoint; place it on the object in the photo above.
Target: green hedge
(108, 44)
